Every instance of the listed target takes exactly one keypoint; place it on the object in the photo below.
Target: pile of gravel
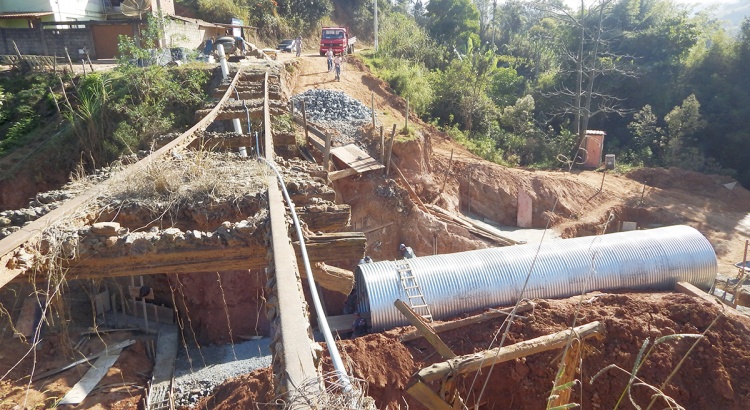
(336, 112)
(213, 365)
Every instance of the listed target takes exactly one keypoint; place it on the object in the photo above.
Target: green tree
(646, 136)
(220, 11)
(683, 123)
(452, 22)
(304, 15)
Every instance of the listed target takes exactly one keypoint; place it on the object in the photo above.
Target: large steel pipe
(466, 281)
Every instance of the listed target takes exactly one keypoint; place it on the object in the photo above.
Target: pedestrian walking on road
(298, 45)
(329, 57)
(337, 62)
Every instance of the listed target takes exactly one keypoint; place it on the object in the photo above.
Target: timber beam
(236, 255)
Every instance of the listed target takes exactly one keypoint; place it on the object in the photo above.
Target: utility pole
(375, 13)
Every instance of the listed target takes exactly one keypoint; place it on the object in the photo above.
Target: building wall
(46, 42)
(180, 33)
(167, 7)
(26, 6)
(65, 10)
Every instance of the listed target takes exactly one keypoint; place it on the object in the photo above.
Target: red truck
(338, 39)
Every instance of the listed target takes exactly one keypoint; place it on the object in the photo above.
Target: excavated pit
(713, 375)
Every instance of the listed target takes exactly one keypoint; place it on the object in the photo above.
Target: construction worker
(350, 304)
(359, 326)
(337, 63)
(329, 57)
(407, 251)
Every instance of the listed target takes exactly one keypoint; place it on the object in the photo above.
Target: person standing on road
(298, 45)
(337, 62)
(329, 57)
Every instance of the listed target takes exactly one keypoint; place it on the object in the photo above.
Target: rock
(110, 241)
(172, 234)
(105, 228)
(4, 221)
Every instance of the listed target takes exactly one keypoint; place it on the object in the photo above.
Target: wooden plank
(456, 324)
(425, 329)
(118, 346)
(33, 231)
(341, 324)
(335, 220)
(336, 175)
(692, 290)
(412, 193)
(163, 314)
(354, 157)
(477, 361)
(327, 247)
(561, 395)
(92, 377)
(332, 278)
(426, 396)
(161, 378)
(29, 318)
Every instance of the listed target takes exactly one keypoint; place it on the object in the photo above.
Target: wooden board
(341, 324)
(161, 380)
(92, 377)
(356, 159)
(31, 314)
(107, 349)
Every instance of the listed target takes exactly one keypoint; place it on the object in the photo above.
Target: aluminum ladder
(412, 290)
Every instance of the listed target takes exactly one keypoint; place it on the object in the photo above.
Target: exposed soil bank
(714, 375)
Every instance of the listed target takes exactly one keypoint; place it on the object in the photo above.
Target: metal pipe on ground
(225, 74)
(467, 281)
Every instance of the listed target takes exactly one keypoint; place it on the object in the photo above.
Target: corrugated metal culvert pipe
(466, 281)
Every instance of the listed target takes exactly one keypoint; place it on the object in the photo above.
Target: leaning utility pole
(375, 13)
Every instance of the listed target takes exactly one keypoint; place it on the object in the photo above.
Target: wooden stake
(304, 120)
(382, 145)
(372, 104)
(425, 329)
(456, 324)
(86, 50)
(406, 117)
(143, 304)
(390, 151)
(83, 64)
(327, 153)
(468, 190)
(566, 375)
(70, 62)
(57, 106)
(477, 361)
(447, 170)
(426, 396)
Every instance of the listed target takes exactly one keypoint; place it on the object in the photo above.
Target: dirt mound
(714, 375)
(691, 181)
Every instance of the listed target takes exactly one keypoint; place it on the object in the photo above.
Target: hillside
(436, 171)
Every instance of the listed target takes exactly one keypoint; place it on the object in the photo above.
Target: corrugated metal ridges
(466, 281)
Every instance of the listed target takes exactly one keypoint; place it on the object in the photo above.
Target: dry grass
(192, 177)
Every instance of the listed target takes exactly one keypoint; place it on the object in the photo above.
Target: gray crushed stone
(335, 111)
(212, 365)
